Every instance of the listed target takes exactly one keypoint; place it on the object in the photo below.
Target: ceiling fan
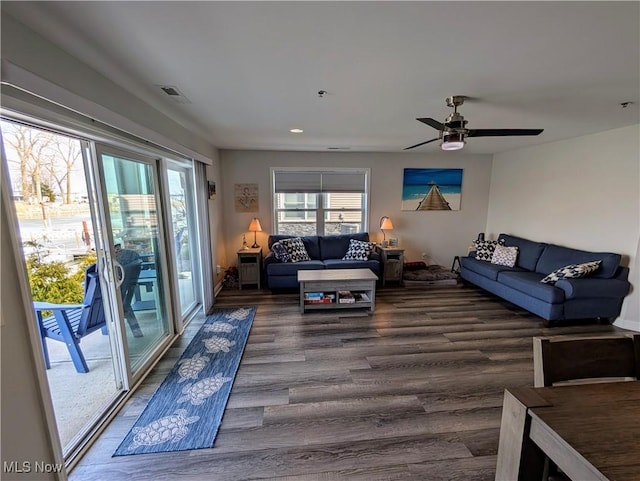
(454, 132)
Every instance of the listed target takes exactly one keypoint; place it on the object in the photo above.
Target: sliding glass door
(184, 230)
(56, 221)
(138, 256)
(113, 228)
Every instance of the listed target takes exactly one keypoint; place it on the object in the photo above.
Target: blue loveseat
(326, 252)
(599, 295)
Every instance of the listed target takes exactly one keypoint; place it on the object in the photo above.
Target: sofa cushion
(555, 256)
(528, 251)
(336, 246)
(352, 264)
(296, 249)
(529, 283)
(280, 252)
(359, 250)
(484, 249)
(505, 256)
(484, 268)
(572, 271)
(292, 268)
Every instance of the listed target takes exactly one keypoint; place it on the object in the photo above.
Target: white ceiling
(252, 70)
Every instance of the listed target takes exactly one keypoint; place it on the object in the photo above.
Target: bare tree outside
(45, 162)
(28, 144)
(62, 159)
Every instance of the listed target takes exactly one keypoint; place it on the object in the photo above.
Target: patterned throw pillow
(359, 250)
(296, 250)
(280, 252)
(504, 256)
(572, 271)
(484, 249)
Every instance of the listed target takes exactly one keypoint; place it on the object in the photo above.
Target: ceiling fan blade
(432, 123)
(502, 132)
(421, 143)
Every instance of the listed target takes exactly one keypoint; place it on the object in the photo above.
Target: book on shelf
(313, 295)
(361, 297)
(318, 298)
(346, 297)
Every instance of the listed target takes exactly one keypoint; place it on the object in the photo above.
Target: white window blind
(316, 182)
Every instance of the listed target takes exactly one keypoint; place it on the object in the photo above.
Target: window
(320, 202)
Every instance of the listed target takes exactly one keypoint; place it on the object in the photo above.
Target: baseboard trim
(217, 288)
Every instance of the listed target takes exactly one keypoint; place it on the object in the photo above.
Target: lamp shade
(386, 224)
(255, 226)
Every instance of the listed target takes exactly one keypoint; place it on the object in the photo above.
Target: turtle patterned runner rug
(186, 410)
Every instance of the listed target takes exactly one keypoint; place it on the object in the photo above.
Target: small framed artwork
(246, 197)
(212, 190)
(431, 189)
(393, 242)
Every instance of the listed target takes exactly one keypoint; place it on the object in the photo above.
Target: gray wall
(440, 234)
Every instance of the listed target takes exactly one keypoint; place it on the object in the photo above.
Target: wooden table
(591, 431)
(333, 282)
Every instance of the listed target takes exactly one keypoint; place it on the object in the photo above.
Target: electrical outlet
(424, 255)
(218, 269)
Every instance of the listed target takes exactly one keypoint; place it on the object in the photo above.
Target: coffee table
(328, 288)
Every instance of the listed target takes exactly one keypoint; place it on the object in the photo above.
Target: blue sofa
(326, 252)
(598, 295)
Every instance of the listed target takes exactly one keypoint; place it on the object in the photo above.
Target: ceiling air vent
(174, 94)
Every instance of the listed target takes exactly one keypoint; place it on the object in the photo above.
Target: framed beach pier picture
(431, 189)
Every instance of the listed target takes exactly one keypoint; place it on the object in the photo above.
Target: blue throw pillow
(280, 252)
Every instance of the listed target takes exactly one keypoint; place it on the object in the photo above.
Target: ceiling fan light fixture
(452, 141)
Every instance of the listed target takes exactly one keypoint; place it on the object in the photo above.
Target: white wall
(216, 221)
(64, 79)
(582, 193)
(442, 234)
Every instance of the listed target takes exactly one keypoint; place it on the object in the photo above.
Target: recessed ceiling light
(296, 131)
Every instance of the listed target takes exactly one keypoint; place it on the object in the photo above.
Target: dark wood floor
(410, 392)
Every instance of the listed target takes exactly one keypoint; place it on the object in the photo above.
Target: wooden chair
(564, 359)
(569, 358)
(71, 322)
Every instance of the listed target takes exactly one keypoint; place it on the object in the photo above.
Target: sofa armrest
(270, 258)
(585, 288)
(374, 256)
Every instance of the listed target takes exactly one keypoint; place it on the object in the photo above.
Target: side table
(249, 266)
(392, 263)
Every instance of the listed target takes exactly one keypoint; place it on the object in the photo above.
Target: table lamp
(385, 224)
(255, 227)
